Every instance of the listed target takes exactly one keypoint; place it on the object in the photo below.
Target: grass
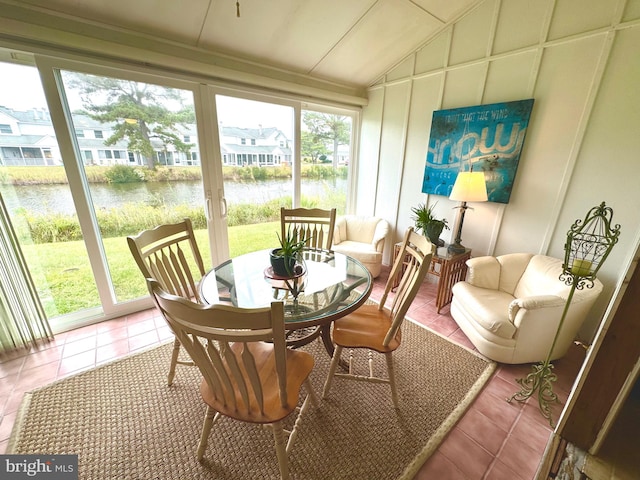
(131, 218)
(64, 278)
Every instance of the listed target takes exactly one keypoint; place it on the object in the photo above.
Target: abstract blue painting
(482, 138)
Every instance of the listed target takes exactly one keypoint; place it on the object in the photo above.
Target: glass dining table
(327, 285)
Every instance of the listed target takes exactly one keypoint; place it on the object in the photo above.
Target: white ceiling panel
(389, 32)
(172, 20)
(352, 42)
(445, 11)
(289, 33)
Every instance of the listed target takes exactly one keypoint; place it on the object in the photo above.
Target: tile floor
(494, 440)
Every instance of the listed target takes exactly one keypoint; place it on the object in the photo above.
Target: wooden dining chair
(378, 327)
(314, 225)
(169, 254)
(249, 373)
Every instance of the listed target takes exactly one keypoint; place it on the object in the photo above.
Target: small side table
(449, 268)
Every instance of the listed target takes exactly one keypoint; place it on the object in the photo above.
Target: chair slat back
(169, 253)
(416, 253)
(314, 225)
(219, 340)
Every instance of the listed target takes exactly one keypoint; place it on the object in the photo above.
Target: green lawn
(65, 281)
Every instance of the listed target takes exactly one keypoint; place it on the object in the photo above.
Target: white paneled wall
(396, 106)
(369, 155)
(579, 60)
(425, 98)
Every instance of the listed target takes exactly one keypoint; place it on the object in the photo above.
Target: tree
(138, 112)
(312, 147)
(326, 128)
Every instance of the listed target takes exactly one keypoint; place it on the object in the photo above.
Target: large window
(326, 152)
(100, 179)
(267, 166)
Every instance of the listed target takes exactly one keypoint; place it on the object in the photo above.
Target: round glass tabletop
(326, 286)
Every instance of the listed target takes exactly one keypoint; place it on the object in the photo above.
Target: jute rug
(124, 422)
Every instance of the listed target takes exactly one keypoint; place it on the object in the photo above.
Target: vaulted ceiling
(352, 42)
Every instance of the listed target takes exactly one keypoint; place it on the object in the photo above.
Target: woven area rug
(124, 422)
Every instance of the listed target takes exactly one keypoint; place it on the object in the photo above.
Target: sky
(20, 89)
(239, 112)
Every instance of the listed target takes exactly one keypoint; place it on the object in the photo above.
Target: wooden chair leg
(311, 392)
(174, 361)
(206, 430)
(305, 406)
(392, 379)
(281, 452)
(332, 370)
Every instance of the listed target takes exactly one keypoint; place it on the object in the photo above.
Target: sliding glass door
(137, 148)
(105, 156)
(257, 148)
(130, 147)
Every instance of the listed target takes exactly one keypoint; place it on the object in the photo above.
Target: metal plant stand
(589, 243)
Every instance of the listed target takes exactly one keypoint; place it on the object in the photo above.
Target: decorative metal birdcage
(588, 245)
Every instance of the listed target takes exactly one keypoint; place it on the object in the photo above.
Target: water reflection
(47, 199)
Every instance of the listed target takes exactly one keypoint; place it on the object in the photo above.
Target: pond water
(43, 199)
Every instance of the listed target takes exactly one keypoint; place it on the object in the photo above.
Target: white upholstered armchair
(362, 238)
(511, 305)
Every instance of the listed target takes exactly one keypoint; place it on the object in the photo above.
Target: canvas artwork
(482, 138)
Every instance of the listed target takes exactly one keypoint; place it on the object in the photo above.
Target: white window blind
(22, 318)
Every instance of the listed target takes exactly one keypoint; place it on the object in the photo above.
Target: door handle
(223, 204)
(207, 209)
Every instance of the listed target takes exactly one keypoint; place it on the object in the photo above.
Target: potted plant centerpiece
(284, 258)
(430, 226)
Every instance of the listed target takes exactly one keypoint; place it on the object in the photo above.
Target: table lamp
(469, 187)
(588, 245)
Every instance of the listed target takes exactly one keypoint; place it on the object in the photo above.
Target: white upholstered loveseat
(510, 307)
(363, 238)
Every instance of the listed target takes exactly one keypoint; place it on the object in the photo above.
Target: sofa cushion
(487, 307)
(512, 267)
(358, 228)
(542, 277)
(362, 251)
(484, 272)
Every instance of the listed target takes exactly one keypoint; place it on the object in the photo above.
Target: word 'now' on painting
(482, 138)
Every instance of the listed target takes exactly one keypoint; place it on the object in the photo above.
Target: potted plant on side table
(430, 226)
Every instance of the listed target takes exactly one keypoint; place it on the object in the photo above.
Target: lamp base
(540, 380)
(456, 248)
